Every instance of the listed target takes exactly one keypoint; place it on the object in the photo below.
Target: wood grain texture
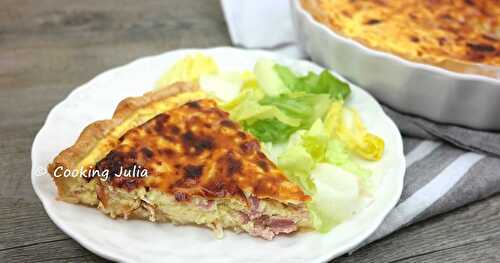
(49, 47)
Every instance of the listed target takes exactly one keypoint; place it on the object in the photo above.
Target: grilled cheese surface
(196, 150)
(429, 31)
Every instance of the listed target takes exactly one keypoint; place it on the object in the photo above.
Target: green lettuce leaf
(337, 89)
(336, 197)
(338, 154)
(246, 109)
(225, 86)
(287, 76)
(297, 164)
(268, 79)
(269, 130)
(345, 124)
(315, 141)
(306, 107)
(324, 83)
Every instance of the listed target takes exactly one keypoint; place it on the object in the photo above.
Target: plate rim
(116, 257)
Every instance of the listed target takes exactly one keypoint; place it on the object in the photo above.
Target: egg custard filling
(173, 155)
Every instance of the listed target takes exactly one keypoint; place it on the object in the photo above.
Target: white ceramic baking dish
(415, 88)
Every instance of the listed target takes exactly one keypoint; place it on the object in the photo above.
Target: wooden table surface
(49, 47)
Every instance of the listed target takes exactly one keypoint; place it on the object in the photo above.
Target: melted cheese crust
(430, 31)
(195, 149)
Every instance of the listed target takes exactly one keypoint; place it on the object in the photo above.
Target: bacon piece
(254, 207)
(268, 228)
(282, 226)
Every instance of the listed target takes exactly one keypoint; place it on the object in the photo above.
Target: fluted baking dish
(415, 88)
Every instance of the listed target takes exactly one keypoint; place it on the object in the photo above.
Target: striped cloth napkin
(447, 166)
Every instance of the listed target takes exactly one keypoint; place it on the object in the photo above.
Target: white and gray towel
(447, 166)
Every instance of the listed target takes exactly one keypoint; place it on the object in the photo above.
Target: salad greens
(188, 69)
(346, 125)
(324, 83)
(268, 80)
(269, 130)
(284, 103)
(305, 152)
(337, 196)
(303, 126)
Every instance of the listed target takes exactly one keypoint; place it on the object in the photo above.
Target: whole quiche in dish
(459, 35)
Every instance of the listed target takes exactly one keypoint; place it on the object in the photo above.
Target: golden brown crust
(95, 132)
(462, 36)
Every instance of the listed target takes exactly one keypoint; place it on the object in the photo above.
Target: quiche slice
(173, 156)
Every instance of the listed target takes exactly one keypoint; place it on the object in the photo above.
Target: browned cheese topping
(431, 31)
(195, 149)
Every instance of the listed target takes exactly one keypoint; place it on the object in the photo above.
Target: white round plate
(140, 241)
